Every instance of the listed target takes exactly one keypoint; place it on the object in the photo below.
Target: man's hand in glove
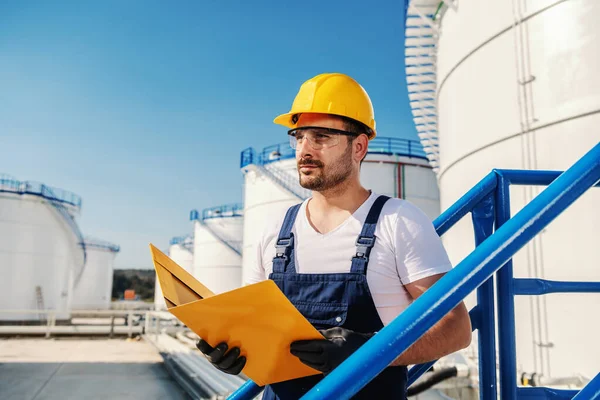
(326, 355)
(229, 362)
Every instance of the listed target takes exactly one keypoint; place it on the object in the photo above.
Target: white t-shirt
(407, 249)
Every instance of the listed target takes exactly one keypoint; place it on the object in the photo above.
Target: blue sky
(143, 107)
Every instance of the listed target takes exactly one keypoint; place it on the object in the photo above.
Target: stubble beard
(326, 178)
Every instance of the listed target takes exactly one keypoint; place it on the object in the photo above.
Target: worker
(349, 259)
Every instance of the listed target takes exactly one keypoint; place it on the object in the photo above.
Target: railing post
(112, 326)
(129, 325)
(409, 148)
(483, 226)
(49, 324)
(506, 303)
(147, 323)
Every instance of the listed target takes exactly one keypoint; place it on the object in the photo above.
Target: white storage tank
(393, 166)
(218, 246)
(40, 249)
(93, 289)
(181, 250)
(515, 85)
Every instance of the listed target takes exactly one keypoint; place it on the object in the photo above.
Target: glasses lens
(318, 138)
(293, 141)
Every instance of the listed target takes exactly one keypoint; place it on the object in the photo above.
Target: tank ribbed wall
(217, 255)
(94, 289)
(518, 88)
(37, 249)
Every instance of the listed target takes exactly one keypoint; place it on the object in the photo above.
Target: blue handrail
(11, 185)
(223, 211)
(186, 241)
(101, 244)
(379, 145)
(493, 254)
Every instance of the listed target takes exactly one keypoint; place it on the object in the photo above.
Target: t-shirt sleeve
(257, 270)
(419, 250)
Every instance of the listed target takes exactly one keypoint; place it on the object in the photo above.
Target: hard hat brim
(286, 120)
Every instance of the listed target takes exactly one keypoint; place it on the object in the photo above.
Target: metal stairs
(223, 211)
(236, 246)
(421, 37)
(70, 220)
(285, 180)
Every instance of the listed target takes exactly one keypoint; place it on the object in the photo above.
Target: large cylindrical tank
(40, 251)
(218, 247)
(94, 288)
(181, 250)
(518, 88)
(393, 167)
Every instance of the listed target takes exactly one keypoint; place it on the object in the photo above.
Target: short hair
(357, 127)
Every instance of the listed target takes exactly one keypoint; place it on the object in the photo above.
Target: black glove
(326, 355)
(228, 362)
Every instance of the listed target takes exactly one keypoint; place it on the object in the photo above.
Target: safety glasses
(318, 137)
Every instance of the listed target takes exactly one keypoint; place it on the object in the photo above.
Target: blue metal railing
(186, 241)
(101, 244)
(489, 203)
(379, 145)
(223, 211)
(11, 185)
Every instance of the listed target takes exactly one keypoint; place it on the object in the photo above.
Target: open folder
(258, 318)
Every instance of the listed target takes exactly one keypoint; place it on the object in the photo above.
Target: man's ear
(360, 147)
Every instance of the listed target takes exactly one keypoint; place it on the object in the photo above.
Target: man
(348, 259)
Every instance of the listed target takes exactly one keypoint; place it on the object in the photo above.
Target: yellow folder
(258, 318)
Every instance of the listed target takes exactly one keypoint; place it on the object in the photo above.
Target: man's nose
(303, 149)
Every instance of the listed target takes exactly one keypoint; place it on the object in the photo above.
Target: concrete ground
(40, 369)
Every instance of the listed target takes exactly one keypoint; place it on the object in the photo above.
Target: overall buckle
(282, 246)
(364, 246)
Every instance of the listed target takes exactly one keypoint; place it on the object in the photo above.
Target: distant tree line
(140, 280)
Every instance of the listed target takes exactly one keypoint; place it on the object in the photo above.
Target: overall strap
(366, 239)
(284, 247)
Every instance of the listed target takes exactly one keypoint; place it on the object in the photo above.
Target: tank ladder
(284, 180)
(39, 298)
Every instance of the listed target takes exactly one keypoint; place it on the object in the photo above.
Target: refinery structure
(514, 85)
(47, 263)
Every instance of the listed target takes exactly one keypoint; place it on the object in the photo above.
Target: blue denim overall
(330, 300)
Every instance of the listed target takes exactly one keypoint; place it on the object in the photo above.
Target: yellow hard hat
(335, 94)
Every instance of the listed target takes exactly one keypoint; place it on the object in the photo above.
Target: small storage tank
(40, 249)
(515, 85)
(394, 167)
(181, 250)
(93, 290)
(218, 246)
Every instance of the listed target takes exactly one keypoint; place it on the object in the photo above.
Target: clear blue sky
(143, 107)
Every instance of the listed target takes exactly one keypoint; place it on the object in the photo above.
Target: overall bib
(331, 300)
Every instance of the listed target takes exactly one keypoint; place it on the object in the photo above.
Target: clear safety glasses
(318, 137)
